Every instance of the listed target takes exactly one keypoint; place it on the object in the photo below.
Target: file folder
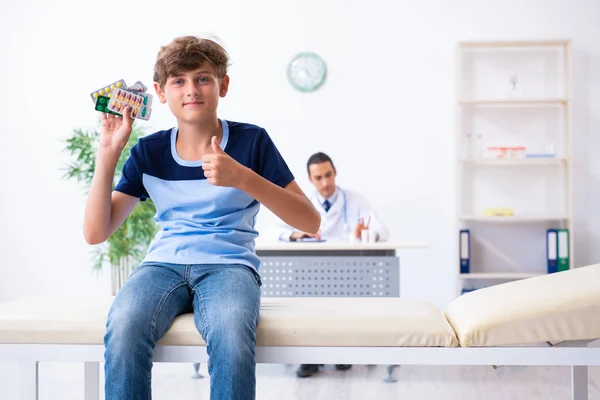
(563, 249)
(465, 250)
(552, 250)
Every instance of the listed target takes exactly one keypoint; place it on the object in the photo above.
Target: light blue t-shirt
(201, 223)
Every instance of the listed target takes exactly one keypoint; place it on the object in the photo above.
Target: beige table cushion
(554, 307)
(283, 322)
(352, 322)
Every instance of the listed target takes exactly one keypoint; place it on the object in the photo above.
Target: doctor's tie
(326, 205)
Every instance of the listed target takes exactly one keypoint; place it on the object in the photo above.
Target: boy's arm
(290, 204)
(105, 211)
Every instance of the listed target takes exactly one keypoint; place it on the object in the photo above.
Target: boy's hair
(318, 158)
(186, 53)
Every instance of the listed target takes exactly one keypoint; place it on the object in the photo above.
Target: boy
(206, 177)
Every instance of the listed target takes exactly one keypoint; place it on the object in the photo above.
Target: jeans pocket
(258, 280)
(256, 276)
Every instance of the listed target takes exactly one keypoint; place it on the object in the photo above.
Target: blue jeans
(225, 300)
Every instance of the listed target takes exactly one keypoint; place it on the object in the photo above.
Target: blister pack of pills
(115, 97)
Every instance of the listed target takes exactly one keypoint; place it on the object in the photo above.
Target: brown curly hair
(187, 53)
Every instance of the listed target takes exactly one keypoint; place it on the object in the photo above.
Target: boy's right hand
(115, 130)
(301, 235)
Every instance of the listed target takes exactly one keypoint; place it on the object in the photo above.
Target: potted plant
(125, 248)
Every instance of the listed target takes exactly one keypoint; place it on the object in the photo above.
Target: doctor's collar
(331, 198)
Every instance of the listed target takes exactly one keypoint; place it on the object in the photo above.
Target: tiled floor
(64, 381)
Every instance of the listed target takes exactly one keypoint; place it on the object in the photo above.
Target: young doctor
(343, 213)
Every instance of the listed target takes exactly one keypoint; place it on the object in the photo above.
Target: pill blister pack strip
(114, 97)
(107, 90)
(140, 105)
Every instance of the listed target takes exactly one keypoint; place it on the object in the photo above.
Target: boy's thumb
(215, 146)
(127, 114)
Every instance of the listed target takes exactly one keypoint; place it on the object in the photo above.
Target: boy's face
(193, 96)
(322, 175)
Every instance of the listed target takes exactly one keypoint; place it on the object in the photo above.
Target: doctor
(343, 212)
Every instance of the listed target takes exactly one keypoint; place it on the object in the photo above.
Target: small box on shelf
(498, 212)
(505, 152)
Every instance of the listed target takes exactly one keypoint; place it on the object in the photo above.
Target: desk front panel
(330, 276)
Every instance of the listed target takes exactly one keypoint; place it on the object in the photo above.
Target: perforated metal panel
(289, 276)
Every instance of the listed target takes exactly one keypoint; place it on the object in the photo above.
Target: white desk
(336, 246)
(331, 269)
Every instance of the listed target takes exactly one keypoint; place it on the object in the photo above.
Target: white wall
(385, 114)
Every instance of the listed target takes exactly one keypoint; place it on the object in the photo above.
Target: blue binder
(465, 250)
(552, 250)
(467, 290)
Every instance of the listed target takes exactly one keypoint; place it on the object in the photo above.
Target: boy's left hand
(222, 170)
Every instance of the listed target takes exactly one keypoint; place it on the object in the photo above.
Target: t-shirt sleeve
(131, 177)
(268, 162)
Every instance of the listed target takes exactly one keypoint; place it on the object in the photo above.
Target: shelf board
(501, 275)
(508, 102)
(516, 218)
(513, 43)
(513, 161)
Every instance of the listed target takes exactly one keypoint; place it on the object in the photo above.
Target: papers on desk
(305, 240)
(310, 240)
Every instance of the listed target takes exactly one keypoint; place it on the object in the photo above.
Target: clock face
(307, 71)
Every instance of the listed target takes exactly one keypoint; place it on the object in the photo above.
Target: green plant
(127, 246)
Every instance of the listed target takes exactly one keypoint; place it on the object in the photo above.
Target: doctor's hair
(318, 158)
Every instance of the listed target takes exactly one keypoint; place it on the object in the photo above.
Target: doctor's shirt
(339, 215)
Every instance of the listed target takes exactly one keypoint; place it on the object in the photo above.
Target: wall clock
(306, 71)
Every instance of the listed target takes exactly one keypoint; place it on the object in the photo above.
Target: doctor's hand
(301, 235)
(222, 170)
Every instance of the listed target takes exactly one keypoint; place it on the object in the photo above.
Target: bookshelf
(499, 275)
(514, 152)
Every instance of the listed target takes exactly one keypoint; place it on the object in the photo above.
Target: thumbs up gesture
(222, 170)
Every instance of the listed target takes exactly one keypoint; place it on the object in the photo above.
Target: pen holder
(364, 235)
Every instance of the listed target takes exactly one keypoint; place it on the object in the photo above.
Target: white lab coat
(341, 219)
